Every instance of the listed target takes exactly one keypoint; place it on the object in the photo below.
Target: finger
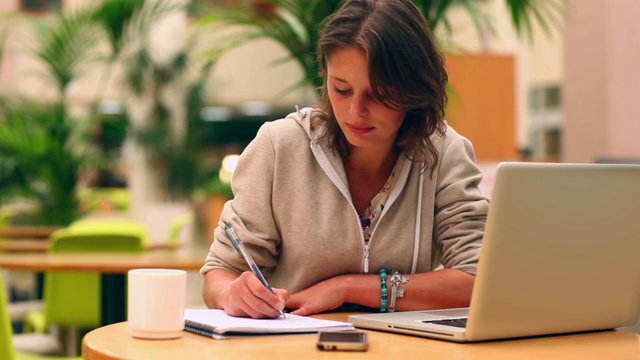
(237, 303)
(241, 308)
(294, 302)
(301, 312)
(283, 295)
(299, 305)
(259, 309)
(241, 300)
(261, 300)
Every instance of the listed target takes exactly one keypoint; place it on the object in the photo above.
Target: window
(545, 130)
(545, 98)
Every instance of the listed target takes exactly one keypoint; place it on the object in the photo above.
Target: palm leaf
(65, 47)
(39, 160)
(293, 24)
(546, 13)
(138, 63)
(114, 16)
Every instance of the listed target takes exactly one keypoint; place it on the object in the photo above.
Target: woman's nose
(358, 106)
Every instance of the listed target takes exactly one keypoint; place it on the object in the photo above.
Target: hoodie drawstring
(416, 239)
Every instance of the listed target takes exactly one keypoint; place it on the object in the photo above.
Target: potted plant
(43, 148)
(164, 99)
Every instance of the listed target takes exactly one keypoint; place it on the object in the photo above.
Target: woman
(333, 201)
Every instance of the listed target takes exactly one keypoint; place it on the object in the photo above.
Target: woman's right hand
(246, 296)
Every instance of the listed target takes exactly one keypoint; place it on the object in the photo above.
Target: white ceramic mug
(156, 303)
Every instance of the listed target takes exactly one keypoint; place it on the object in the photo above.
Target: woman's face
(364, 120)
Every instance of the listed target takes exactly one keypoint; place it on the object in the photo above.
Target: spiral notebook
(218, 324)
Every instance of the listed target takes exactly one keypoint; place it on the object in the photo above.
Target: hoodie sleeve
(460, 208)
(250, 211)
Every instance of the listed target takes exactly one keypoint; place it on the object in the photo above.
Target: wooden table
(27, 231)
(42, 245)
(115, 342)
(112, 266)
(24, 245)
(106, 263)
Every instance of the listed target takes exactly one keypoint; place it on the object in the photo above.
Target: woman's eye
(341, 91)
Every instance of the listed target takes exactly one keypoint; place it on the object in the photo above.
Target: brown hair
(406, 71)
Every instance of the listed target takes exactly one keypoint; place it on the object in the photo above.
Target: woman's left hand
(323, 296)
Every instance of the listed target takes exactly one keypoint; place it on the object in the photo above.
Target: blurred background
(138, 109)
(132, 106)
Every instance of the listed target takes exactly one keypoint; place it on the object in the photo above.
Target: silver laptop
(561, 254)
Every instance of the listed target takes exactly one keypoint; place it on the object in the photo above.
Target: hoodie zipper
(326, 167)
(392, 198)
(397, 189)
(328, 170)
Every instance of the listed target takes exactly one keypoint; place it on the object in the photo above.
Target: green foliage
(436, 12)
(44, 150)
(546, 13)
(176, 157)
(186, 170)
(213, 185)
(295, 24)
(66, 46)
(114, 17)
(40, 160)
(524, 15)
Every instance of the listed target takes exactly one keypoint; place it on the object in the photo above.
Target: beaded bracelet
(383, 290)
(396, 290)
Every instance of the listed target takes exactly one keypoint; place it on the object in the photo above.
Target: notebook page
(222, 323)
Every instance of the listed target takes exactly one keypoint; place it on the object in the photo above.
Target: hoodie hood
(313, 128)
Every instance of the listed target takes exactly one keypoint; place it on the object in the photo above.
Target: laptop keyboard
(461, 323)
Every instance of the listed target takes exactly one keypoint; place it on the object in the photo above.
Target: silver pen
(237, 243)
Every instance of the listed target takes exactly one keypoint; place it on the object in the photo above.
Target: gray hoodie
(293, 211)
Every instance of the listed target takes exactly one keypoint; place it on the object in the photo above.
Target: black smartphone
(343, 340)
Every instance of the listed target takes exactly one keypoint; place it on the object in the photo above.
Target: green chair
(64, 304)
(73, 300)
(112, 226)
(7, 349)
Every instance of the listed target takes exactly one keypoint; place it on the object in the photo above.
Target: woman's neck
(371, 163)
(366, 173)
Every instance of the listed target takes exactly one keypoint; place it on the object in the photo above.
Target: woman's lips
(360, 129)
